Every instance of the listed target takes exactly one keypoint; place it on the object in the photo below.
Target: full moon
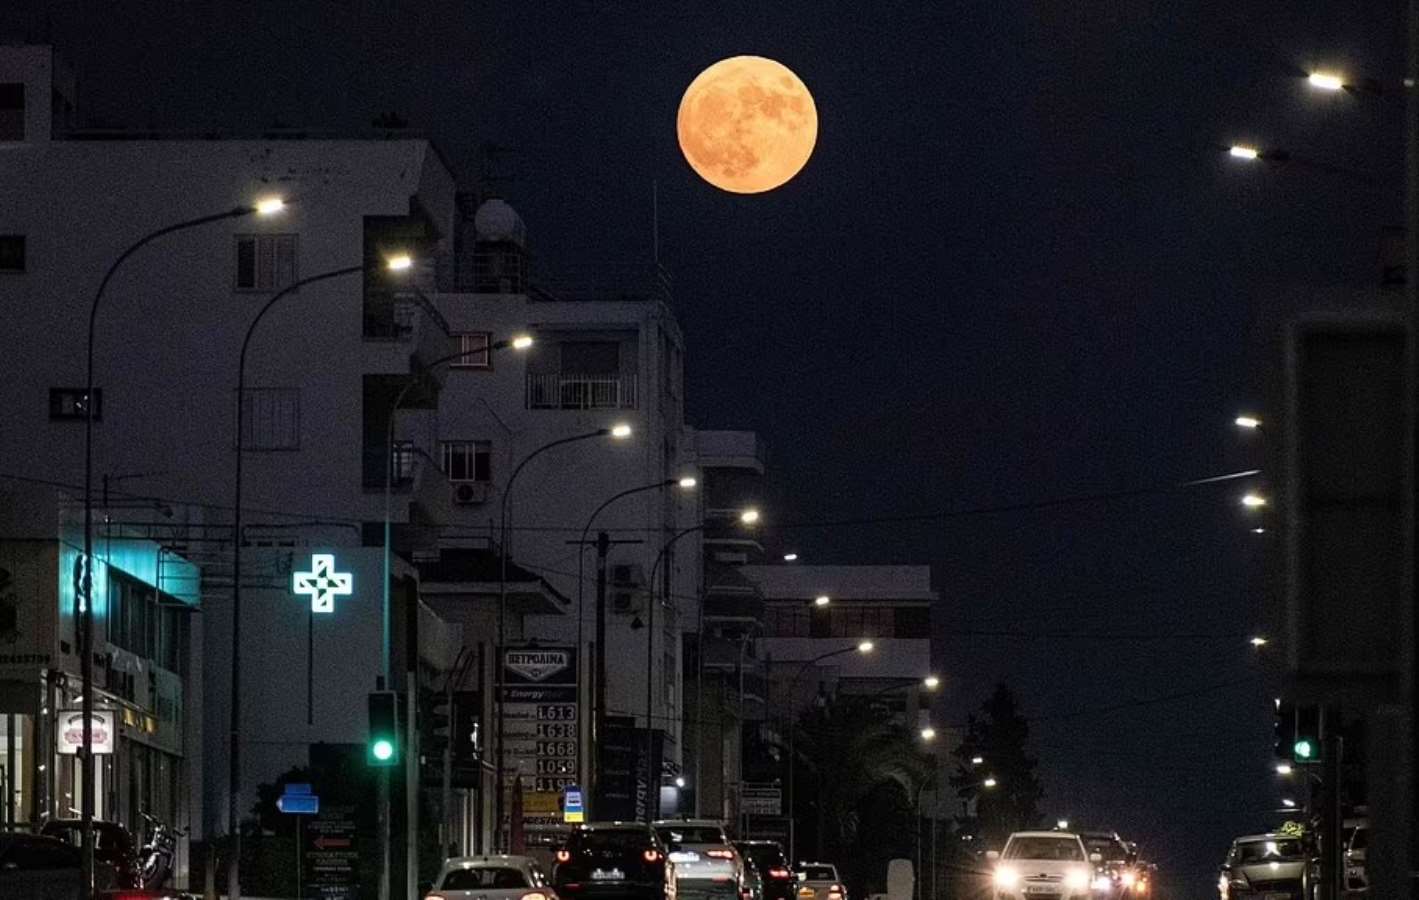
(747, 124)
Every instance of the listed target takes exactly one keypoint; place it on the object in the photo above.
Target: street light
(86, 618)
(1253, 501)
(746, 517)
(234, 768)
(1258, 641)
(618, 431)
(822, 600)
(685, 483)
(928, 733)
(931, 682)
(790, 557)
(1288, 803)
(1283, 768)
(989, 783)
(977, 760)
(1243, 151)
(1251, 423)
(863, 647)
(1325, 81)
(1062, 825)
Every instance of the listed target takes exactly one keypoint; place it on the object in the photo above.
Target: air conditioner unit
(627, 575)
(470, 492)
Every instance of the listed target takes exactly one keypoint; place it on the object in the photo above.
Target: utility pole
(598, 713)
(411, 748)
(1332, 864)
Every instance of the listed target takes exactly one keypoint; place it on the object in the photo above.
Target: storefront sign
(541, 719)
(322, 583)
(71, 731)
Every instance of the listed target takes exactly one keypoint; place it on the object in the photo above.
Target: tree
(859, 773)
(999, 736)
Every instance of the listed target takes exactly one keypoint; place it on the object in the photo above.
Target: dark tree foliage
(999, 735)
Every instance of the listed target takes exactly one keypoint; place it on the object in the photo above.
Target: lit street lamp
(822, 600)
(1325, 81)
(1253, 501)
(1250, 423)
(928, 733)
(685, 483)
(263, 207)
(1258, 642)
(618, 431)
(234, 769)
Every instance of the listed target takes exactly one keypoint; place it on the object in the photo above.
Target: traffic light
(440, 725)
(466, 735)
(382, 743)
(1306, 747)
(1284, 729)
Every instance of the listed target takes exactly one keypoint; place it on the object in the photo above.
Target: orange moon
(747, 124)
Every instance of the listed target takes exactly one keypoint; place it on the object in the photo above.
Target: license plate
(1276, 897)
(684, 856)
(607, 875)
(1041, 889)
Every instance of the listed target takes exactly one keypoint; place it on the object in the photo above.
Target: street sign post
(298, 800)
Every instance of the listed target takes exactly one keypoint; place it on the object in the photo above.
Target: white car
(492, 878)
(706, 863)
(819, 881)
(1044, 865)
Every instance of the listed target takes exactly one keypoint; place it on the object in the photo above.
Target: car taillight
(434, 897)
(651, 856)
(564, 856)
(780, 873)
(835, 891)
(573, 887)
(720, 854)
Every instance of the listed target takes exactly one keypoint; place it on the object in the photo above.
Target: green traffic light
(383, 749)
(1304, 749)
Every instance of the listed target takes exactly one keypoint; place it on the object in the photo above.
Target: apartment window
(468, 460)
(860, 622)
(591, 358)
(68, 404)
(12, 111)
(265, 262)
(786, 620)
(12, 252)
(272, 419)
(474, 347)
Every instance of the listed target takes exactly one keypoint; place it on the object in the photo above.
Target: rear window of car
(765, 856)
(1110, 849)
(691, 834)
(1360, 839)
(483, 878)
(819, 873)
(628, 839)
(1065, 849)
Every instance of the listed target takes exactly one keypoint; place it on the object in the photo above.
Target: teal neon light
(322, 583)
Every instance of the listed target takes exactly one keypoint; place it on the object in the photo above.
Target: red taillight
(564, 856)
(720, 854)
(651, 856)
(573, 887)
(780, 873)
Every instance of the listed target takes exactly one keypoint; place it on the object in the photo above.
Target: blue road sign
(298, 801)
(572, 809)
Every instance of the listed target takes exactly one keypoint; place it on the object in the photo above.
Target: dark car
(37, 867)
(776, 878)
(614, 859)
(114, 846)
(1118, 866)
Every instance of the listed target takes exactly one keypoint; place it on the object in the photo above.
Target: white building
(323, 370)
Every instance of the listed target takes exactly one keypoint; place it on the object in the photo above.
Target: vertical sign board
(630, 782)
(541, 720)
(331, 855)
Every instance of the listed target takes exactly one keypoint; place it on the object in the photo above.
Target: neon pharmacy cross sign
(322, 583)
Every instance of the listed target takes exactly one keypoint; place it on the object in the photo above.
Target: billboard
(541, 728)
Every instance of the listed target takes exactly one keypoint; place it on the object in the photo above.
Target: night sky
(1017, 268)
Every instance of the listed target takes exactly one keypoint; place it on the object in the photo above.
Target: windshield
(691, 834)
(483, 879)
(818, 873)
(1056, 848)
(765, 856)
(628, 839)
(1360, 839)
(1277, 850)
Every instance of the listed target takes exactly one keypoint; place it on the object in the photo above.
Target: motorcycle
(157, 855)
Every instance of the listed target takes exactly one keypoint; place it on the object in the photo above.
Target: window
(786, 620)
(468, 460)
(474, 345)
(12, 252)
(272, 419)
(12, 111)
(68, 404)
(591, 358)
(265, 262)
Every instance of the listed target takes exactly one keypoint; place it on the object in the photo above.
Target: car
(614, 859)
(1044, 864)
(491, 878)
(706, 863)
(772, 877)
(1357, 878)
(42, 867)
(1117, 875)
(114, 846)
(1265, 867)
(819, 881)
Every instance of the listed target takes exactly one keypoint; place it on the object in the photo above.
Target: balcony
(413, 479)
(563, 391)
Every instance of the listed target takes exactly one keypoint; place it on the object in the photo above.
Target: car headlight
(1103, 883)
(1006, 877)
(1077, 880)
(1128, 878)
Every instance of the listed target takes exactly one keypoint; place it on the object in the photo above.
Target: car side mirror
(1096, 858)
(992, 855)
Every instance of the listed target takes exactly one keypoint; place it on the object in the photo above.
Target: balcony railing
(561, 391)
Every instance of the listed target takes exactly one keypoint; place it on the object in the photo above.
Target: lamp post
(686, 483)
(863, 647)
(396, 264)
(411, 763)
(746, 517)
(266, 206)
(619, 431)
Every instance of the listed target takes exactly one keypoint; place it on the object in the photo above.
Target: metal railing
(563, 391)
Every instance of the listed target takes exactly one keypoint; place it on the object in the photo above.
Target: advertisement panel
(28, 607)
(70, 736)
